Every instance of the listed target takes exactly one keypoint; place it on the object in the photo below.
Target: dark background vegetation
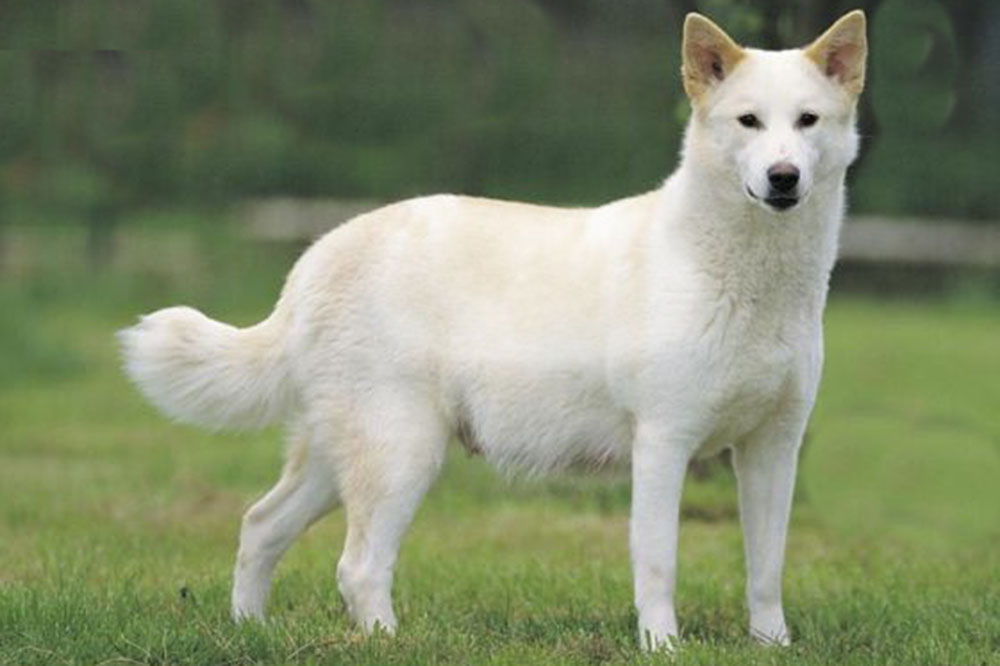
(112, 106)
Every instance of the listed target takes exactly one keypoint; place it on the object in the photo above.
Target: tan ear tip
(696, 20)
(856, 16)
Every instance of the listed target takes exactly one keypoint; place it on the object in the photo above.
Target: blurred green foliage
(110, 106)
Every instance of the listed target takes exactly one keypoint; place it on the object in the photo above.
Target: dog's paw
(771, 636)
(247, 615)
(658, 629)
(379, 626)
(650, 642)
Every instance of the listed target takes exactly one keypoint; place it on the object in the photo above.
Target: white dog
(660, 327)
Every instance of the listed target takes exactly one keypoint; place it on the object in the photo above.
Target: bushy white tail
(202, 371)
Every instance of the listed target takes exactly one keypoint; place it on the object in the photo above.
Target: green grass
(118, 528)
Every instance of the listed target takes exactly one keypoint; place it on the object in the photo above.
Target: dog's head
(774, 123)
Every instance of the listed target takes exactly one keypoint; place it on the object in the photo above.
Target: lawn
(118, 528)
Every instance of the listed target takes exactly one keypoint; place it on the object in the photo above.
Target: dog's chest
(752, 359)
(759, 334)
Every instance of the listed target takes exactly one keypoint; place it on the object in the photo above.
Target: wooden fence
(865, 239)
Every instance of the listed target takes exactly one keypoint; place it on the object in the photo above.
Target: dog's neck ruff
(749, 251)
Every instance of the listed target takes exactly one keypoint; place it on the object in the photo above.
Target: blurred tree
(916, 72)
(188, 102)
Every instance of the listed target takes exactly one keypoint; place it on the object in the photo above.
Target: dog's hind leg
(306, 491)
(395, 458)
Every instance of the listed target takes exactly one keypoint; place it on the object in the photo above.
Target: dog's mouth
(779, 202)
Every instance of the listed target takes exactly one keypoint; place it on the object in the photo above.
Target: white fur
(202, 371)
(659, 327)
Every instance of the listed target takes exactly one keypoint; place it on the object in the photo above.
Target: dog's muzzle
(783, 179)
(783, 187)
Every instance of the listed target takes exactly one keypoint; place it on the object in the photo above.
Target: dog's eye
(749, 120)
(807, 119)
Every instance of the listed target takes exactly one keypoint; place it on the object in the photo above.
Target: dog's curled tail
(201, 371)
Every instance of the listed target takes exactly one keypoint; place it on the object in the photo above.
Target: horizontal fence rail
(920, 241)
(865, 239)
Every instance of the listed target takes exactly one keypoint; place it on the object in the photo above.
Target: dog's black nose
(783, 177)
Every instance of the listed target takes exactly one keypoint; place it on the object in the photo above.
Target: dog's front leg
(765, 469)
(658, 467)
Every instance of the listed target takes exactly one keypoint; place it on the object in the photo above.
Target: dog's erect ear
(840, 52)
(708, 53)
